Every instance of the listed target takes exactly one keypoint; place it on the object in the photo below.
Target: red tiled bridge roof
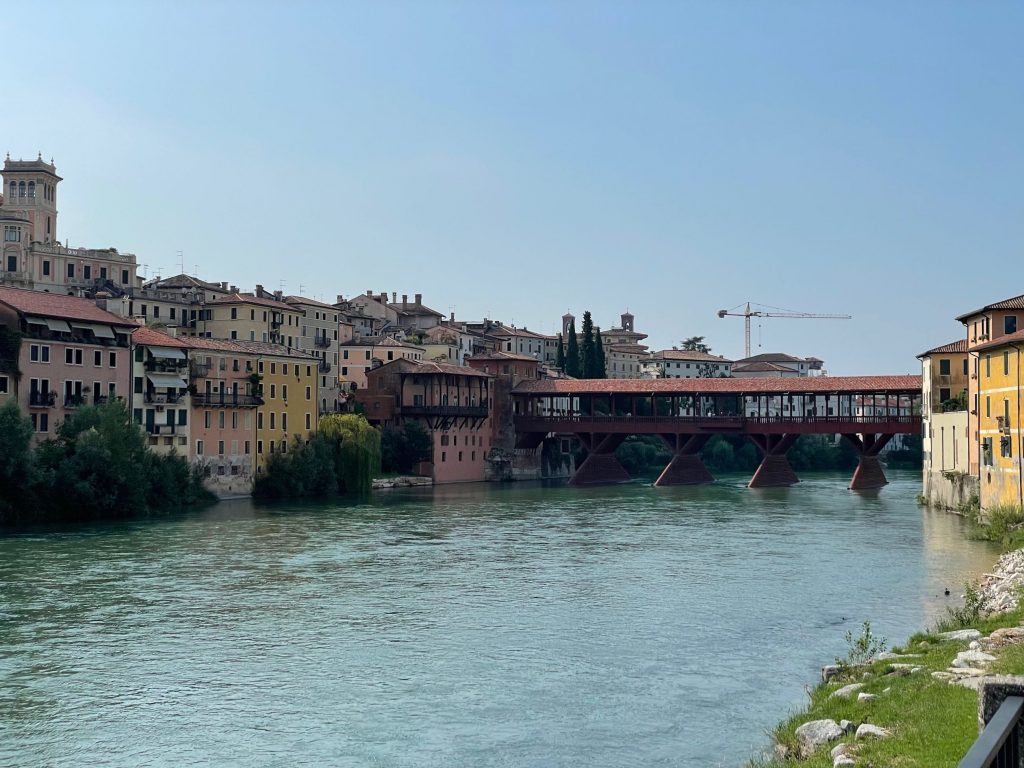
(803, 385)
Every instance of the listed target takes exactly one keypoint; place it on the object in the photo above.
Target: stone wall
(949, 490)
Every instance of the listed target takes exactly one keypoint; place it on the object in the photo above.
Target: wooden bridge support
(774, 470)
(687, 466)
(869, 474)
(600, 467)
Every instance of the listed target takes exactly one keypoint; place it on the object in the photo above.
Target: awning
(58, 326)
(167, 353)
(167, 380)
(103, 332)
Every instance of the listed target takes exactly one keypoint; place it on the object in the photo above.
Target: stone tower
(627, 321)
(567, 320)
(30, 188)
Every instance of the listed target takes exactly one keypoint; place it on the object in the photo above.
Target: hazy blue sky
(518, 159)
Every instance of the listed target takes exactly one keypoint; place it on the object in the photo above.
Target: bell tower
(30, 187)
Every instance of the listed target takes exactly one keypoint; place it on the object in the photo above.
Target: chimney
(419, 299)
(384, 297)
(405, 300)
(277, 295)
(369, 293)
(341, 299)
(394, 297)
(259, 291)
(234, 289)
(451, 318)
(224, 285)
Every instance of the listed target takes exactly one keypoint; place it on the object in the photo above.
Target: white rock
(841, 749)
(846, 690)
(943, 675)
(888, 656)
(961, 634)
(869, 731)
(969, 658)
(967, 672)
(866, 697)
(829, 671)
(815, 733)
(843, 760)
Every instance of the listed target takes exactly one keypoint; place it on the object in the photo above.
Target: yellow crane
(748, 313)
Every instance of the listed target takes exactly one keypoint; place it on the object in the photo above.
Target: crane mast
(748, 313)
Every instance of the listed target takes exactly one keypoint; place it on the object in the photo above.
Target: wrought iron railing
(42, 399)
(324, 367)
(999, 745)
(472, 411)
(226, 400)
(322, 341)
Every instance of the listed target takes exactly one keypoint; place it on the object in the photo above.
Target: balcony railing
(74, 401)
(322, 341)
(167, 399)
(1000, 743)
(225, 400)
(162, 429)
(42, 399)
(199, 370)
(472, 411)
(324, 367)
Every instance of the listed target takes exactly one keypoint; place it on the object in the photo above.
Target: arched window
(14, 189)
(21, 189)
(32, 189)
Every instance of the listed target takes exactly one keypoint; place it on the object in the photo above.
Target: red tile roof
(428, 368)
(154, 338)
(1008, 338)
(1017, 302)
(502, 356)
(249, 298)
(960, 345)
(803, 384)
(310, 302)
(57, 305)
(247, 348)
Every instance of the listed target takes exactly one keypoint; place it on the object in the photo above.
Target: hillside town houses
(228, 376)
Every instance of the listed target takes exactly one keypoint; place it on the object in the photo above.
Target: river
(516, 625)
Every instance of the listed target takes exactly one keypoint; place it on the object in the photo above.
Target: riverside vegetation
(916, 705)
(97, 465)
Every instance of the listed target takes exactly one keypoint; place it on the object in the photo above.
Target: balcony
(74, 401)
(161, 429)
(199, 370)
(170, 398)
(324, 367)
(322, 341)
(469, 411)
(225, 400)
(42, 399)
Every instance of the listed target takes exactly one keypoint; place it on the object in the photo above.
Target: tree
(696, 344)
(560, 355)
(17, 472)
(572, 353)
(402, 448)
(602, 366)
(356, 449)
(588, 353)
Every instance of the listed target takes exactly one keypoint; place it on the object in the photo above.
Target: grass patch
(1003, 524)
(933, 723)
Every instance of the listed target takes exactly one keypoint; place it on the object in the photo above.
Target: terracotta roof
(57, 305)
(245, 347)
(760, 368)
(153, 338)
(960, 345)
(414, 309)
(803, 384)
(631, 349)
(184, 281)
(310, 302)
(1008, 338)
(502, 356)
(1017, 302)
(427, 367)
(772, 357)
(688, 355)
(250, 298)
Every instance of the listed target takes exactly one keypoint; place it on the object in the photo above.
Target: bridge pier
(687, 466)
(774, 470)
(869, 474)
(600, 467)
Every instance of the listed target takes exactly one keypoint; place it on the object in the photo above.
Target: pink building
(452, 403)
(71, 353)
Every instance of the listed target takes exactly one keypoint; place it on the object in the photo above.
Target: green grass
(1003, 524)
(933, 723)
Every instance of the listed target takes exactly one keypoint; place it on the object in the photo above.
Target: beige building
(258, 316)
(358, 358)
(320, 338)
(32, 254)
(947, 481)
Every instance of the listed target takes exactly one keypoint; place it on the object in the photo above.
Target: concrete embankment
(404, 481)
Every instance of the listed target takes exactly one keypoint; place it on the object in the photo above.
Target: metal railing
(42, 399)
(226, 400)
(168, 399)
(999, 745)
(322, 341)
(161, 429)
(474, 411)
(722, 418)
(324, 367)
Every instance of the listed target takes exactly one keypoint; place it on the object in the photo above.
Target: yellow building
(288, 381)
(1000, 368)
(260, 317)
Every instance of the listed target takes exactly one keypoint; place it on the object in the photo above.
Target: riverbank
(916, 705)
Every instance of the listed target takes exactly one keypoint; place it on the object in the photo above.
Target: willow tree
(356, 450)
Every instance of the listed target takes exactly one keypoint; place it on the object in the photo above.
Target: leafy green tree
(17, 469)
(695, 344)
(588, 353)
(572, 353)
(307, 470)
(602, 366)
(356, 448)
(403, 448)
(560, 354)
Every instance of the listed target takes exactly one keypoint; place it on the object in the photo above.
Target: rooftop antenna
(181, 260)
(301, 288)
(195, 272)
(281, 284)
(145, 271)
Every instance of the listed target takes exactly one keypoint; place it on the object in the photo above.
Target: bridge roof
(746, 386)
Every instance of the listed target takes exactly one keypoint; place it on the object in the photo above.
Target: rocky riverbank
(916, 705)
(404, 481)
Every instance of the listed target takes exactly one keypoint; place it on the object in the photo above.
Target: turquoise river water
(514, 625)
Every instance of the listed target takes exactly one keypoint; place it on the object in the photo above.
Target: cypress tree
(588, 354)
(602, 369)
(572, 353)
(560, 355)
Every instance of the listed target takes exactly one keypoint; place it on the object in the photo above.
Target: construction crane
(748, 313)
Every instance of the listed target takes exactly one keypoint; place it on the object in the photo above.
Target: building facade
(161, 402)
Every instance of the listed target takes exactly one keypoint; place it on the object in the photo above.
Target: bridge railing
(724, 419)
(1000, 743)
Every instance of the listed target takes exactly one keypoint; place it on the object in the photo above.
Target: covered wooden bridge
(866, 410)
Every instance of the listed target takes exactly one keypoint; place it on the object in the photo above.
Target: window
(234, 313)
(1005, 446)
(988, 365)
(71, 270)
(259, 421)
(284, 370)
(113, 359)
(247, 447)
(273, 391)
(4, 385)
(46, 267)
(44, 422)
(207, 419)
(199, 447)
(220, 447)
(988, 406)
(87, 272)
(944, 367)
(344, 370)
(124, 276)
(259, 447)
(284, 422)
(234, 423)
(12, 234)
(965, 366)
(220, 421)
(97, 358)
(309, 419)
(309, 392)
(182, 417)
(284, 392)
(943, 395)
(444, 456)
(1006, 363)
(1010, 324)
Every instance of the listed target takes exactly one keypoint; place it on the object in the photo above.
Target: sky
(515, 160)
